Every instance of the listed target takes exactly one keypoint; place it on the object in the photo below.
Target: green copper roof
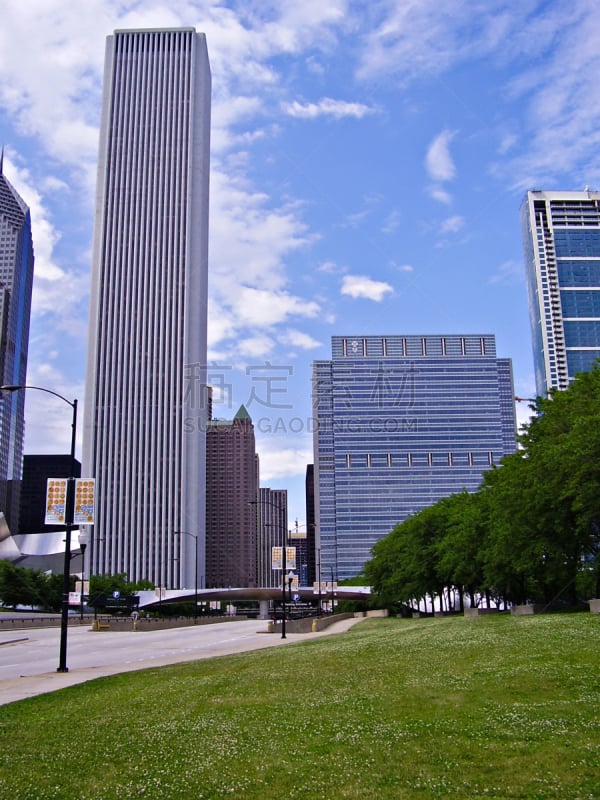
(243, 414)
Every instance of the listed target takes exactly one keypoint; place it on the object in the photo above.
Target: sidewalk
(26, 686)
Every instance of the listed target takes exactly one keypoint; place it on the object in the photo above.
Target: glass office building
(16, 281)
(561, 236)
(400, 422)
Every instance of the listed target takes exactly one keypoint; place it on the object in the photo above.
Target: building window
(389, 459)
(348, 460)
(409, 459)
(369, 460)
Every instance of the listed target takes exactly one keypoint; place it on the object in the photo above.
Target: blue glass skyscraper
(16, 280)
(561, 236)
(400, 422)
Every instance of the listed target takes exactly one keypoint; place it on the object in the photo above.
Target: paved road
(28, 658)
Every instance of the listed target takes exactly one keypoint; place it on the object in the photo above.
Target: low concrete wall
(478, 612)
(308, 624)
(156, 623)
(43, 621)
(595, 606)
(316, 624)
(528, 608)
(24, 622)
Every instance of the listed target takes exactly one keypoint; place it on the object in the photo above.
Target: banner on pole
(276, 557)
(84, 501)
(56, 501)
(290, 558)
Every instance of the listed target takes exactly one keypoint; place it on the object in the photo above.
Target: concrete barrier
(528, 608)
(479, 612)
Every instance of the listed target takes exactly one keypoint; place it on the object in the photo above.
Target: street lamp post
(69, 509)
(195, 537)
(283, 577)
(279, 510)
(84, 539)
(332, 592)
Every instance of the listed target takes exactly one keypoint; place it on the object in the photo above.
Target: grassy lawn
(490, 707)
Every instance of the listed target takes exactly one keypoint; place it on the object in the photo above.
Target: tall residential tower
(145, 409)
(401, 421)
(16, 279)
(561, 236)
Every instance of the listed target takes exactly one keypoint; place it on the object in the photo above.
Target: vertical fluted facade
(145, 410)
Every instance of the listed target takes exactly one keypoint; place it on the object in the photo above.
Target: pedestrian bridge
(156, 597)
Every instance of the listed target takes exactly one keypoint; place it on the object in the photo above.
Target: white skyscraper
(145, 405)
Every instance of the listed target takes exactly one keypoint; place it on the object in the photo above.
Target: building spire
(1, 160)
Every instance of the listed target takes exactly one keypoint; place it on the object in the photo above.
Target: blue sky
(368, 164)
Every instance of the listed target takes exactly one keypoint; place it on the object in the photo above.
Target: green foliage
(498, 706)
(20, 586)
(530, 533)
(103, 588)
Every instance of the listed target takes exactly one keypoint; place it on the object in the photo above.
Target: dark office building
(231, 494)
(36, 471)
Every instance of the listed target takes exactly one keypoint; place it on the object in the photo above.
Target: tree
(532, 530)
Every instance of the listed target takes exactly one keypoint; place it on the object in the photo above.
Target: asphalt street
(29, 657)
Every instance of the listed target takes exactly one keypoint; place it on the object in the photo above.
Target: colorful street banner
(276, 557)
(277, 560)
(84, 502)
(56, 501)
(290, 558)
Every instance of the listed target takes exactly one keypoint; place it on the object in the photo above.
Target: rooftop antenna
(1, 159)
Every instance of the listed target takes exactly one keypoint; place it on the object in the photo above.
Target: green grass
(491, 707)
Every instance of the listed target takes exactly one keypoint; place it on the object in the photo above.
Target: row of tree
(20, 586)
(531, 533)
(32, 588)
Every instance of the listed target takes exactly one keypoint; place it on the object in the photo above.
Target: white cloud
(364, 287)
(438, 162)
(452, 224)
(327, 107)
(263, 308)
(441, 195)
(421, 37)
(391, 223)
(328, 266)
(300, 339)
(255, 346)
(508, 272)
(277, 461)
